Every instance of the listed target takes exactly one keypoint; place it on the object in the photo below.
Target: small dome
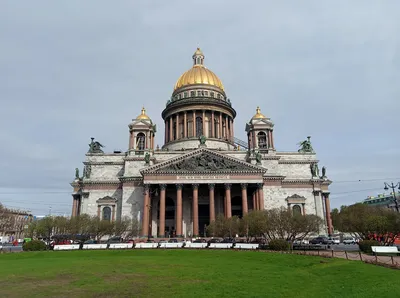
(143, 115)
(258, 114)
(198, 74)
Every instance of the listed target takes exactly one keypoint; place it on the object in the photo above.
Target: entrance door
(204, 218)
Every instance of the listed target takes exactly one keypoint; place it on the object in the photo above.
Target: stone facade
(201, 171)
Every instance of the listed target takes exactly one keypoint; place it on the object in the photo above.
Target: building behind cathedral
(202, 170)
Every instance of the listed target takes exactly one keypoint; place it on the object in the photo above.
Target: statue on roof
(314, 170)
(258, 157)
(202, 140)
(76, 173)
(305, 146)
(95, 147)
(323, 172)
(147, 158)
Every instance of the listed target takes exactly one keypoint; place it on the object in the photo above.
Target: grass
(184, 273)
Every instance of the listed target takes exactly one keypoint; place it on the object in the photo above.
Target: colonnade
(194, 123)
(257, 196)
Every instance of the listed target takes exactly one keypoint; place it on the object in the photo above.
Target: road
(11, 248)
(345, 247)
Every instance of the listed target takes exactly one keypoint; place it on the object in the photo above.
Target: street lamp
(393, 186)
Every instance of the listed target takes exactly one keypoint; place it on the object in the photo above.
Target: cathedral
(202, 170)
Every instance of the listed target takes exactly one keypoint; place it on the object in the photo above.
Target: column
(113, 213)
(195, 207)
(228, 200)
(161, 231)
(232, 131)
(261, 195)
(146, 207)
(99, 211)
(130, 140)
(177, 127)
(328, 213)
(244, 198)
(211, 187)
(179, 210)
(272, 140)
(194, 124)
(220, 125)
(171, 127)
(254, 201)
(166, 132)
(73, 206)
(226, 127)
(204, 122)
(212, 125)
(185, 125)
(269, 139)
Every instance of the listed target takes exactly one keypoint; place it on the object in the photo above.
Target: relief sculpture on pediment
(204, 163)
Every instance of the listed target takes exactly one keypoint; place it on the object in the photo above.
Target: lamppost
(393, 186)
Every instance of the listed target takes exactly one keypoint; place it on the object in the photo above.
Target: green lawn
(184, 273)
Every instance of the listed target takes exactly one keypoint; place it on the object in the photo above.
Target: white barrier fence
(146, 245)
(66, 247)
(95, 246)
(221, 245)
(195, 245)
(247, 245)
(171, 245)
(121, 245)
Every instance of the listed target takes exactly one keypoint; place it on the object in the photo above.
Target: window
(181, 130)
(296, 210)
(185, 94)
(107, 213)
(198, 93)
(223, 129)
(192, 93)
(199, 126)
(262, 140)
(205, 93)
(179, 96)
(212, 94)
(140, 141)
(219, 96)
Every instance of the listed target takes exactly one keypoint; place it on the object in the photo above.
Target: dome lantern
(198, 58)
(143, 115)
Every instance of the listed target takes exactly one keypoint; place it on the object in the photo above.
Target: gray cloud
(76, 69)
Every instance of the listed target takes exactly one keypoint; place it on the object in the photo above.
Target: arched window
(192, 93)
(199, 93)
(107, 213)
(140, 141)
(185, 94)
(212, 94)
(223, 129)
(262, 140)
(205, 93)
(296, 210)
(199, 126)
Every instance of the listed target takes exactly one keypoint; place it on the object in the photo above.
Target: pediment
(295, 199)
(204, 161)
(106, 199)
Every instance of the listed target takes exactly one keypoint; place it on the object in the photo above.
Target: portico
(202, 184)
(194, 206)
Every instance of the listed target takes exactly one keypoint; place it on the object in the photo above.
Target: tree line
(278, 223)
(368, 222)
(90, 227)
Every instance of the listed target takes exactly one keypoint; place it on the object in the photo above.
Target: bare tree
(253, 225)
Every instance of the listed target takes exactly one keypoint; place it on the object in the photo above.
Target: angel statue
(323, 172)
(76, 173)
(305, 146)
(95, 147)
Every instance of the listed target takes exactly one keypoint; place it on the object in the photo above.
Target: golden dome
(258, 114)
(198, 74)
(143, 115)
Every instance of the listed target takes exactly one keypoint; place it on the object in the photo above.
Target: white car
(349, 240)
(334, 240)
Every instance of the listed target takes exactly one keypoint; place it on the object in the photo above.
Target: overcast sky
(70, 70)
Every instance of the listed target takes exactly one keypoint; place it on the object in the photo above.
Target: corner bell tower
(141, 133)
(260, 132)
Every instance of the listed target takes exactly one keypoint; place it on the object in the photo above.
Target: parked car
(320, 240)
(333, 240)
(349, 240)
